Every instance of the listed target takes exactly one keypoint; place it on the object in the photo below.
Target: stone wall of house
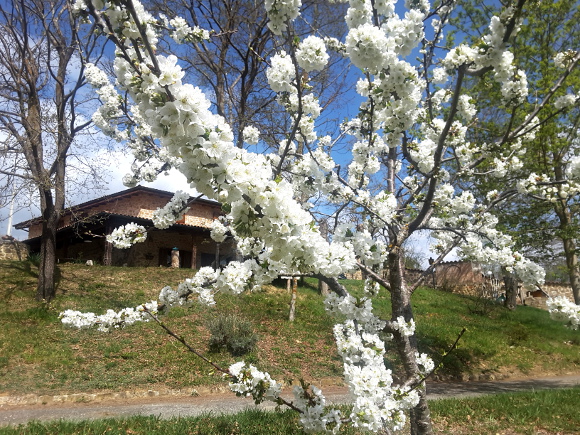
(81, 252)
(143, 205)
(153, 252)
(551, 289)
(160, 243)
(12, 250)
(450, 275)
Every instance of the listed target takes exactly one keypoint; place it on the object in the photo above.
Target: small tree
(41, 76)
(544, 206)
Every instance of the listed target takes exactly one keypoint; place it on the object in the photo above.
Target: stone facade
(138, 202)
(82, 232)
(538, 297)
(452, 274)
(11, 249)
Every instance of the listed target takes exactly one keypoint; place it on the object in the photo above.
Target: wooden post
(292, 313)
(193, 256)
(217, 256)
(108, 251)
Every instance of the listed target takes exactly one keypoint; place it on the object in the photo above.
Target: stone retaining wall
(12, 250)
(552, 290)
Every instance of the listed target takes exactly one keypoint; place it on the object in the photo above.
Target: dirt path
(175, 406)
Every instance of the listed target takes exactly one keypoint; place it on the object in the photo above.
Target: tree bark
(567, 233)
(420, 417)
(572, 266)
(511, 291)
(46, 286)
(569, 246)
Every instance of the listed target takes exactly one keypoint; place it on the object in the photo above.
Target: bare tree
(233, 62)
(41, 100)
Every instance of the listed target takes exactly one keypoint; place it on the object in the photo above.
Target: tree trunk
(567, 235)
(572, 265)
(46, 288)
(322, 286)
(511, 291)
(420, 417)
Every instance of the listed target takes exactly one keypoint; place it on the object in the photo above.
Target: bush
(34, 258)
(483, 303)
(232, 333)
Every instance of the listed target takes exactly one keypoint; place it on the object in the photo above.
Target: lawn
(39, 355)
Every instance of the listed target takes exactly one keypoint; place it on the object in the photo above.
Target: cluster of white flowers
(360, 310)
(425, 363)
(172, 211)
(365, 46)
(110, 111)
(541, 185)
(564, 310)
(405, 328)
(280, 12)
(492, 52)
(281, 73)
(182, 32)
(111, 319)
(311, 54)
(249, 381)
(315, 417)
(378, 403)
(573, 170)
(127, 235)
(218, 231)
(251, 135)
(565, 101)
(95, 76)
(406, 32)
(564, 59)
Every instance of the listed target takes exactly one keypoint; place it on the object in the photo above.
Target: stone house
(82, 231)
(465, 277)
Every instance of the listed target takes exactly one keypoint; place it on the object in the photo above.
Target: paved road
(167, 407)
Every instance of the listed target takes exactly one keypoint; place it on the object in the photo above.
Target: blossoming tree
(408, 160)
(543, 210)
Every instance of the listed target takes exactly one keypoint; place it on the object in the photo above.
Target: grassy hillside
(39, 355)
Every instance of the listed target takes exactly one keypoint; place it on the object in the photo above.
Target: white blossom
(279, 12)
(127, 235)
(565, 101)
(564, 310)
(311, 54)
(251, 135)
(172, 211)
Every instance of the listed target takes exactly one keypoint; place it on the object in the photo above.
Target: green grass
(248, 422)
(38, 355)
(546, 412)
(553, 412)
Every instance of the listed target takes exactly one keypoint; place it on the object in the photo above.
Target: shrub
(232, 333)
(34, 258)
